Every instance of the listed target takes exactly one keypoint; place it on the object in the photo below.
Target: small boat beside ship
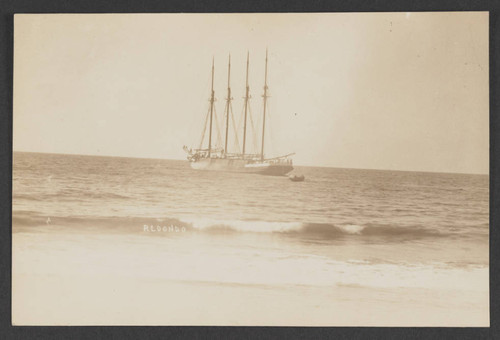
(219, 158)
(296, 178)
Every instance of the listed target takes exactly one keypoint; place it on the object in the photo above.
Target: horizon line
(305, 165)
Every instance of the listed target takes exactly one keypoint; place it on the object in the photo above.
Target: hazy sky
(404, 91)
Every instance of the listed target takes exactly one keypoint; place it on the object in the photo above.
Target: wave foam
(298, 229)
(243, 226)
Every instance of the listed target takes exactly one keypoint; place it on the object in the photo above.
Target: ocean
(111, 240)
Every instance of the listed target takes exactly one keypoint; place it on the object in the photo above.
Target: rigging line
(254, 133)
(270, 128)
(235, 130)
(226, 123)
(218, 142)
(241, 119)
(225, 119)
(252, 129)
(242, 113)
(204, 128)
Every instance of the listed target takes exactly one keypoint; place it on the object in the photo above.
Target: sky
(399, 91)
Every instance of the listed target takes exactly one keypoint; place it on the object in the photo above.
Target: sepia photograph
(251, 169)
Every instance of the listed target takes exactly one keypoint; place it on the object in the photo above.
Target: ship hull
(242, 166)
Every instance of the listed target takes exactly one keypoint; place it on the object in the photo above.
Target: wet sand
(78, 279)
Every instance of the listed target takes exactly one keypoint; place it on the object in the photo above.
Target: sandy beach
(81, 279)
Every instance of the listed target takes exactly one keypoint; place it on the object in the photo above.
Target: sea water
(342, 246)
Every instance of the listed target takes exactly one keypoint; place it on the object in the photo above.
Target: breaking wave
(27, 221)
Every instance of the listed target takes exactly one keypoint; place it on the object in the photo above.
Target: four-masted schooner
(219, 159)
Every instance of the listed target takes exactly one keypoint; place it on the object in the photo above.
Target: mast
(228, 99)
(211, 111)
(246, 108)
(264, 114)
